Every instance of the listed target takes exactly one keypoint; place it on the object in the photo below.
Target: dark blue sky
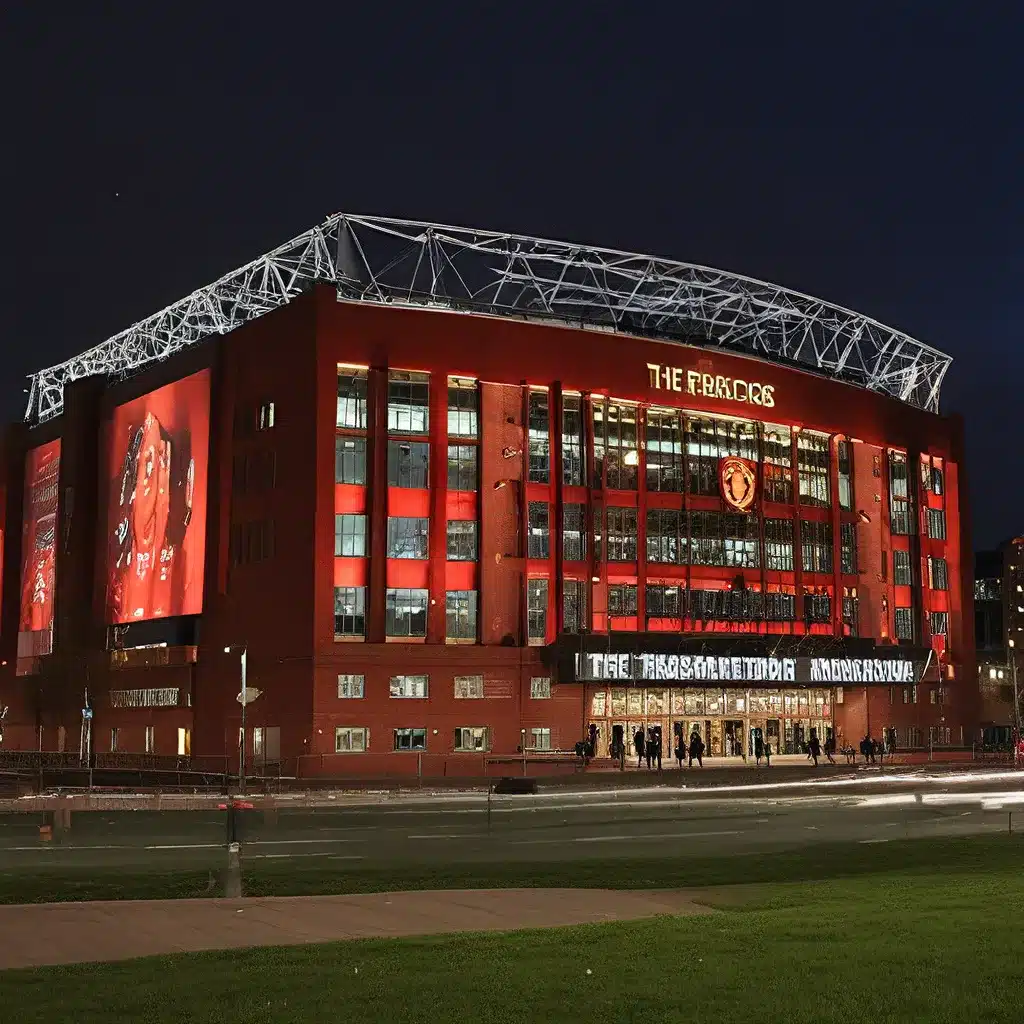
(858, 152)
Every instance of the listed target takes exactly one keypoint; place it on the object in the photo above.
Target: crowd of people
(648, 746)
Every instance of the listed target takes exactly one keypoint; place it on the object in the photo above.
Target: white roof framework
(409, 263)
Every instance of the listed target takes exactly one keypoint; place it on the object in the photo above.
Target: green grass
(322, 876)
(891, 946)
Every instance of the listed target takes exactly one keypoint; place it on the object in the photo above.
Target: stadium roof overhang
(409, 263)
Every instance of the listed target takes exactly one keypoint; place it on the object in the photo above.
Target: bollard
(233, 874)
(490, 789)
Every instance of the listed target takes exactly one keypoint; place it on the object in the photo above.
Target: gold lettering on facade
(709, 385)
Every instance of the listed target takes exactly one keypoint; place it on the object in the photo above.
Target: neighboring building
(999, 636)
(995, 683)
(455, 492)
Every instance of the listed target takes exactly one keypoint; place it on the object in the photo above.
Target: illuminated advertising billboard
(156, 512)
(39, 550)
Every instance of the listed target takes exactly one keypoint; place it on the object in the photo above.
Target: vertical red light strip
(558, 519)
(438, 477)
(377, 479)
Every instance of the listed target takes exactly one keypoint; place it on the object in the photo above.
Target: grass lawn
(311, 876)
(896, 945)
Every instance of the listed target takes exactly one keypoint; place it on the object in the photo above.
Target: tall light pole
(246, 695)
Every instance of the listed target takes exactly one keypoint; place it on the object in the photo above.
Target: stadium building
(449, 494)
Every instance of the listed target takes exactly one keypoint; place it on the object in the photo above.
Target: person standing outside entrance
(638, 745)
(758, 749)
(814, 748)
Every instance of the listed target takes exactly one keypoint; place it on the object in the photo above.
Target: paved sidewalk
(65, 933)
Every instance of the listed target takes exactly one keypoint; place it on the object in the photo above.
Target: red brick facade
(278, 484)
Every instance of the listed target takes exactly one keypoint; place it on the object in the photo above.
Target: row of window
(903, 624)
(353, 687)
(679, 537)
(408, 464)
(408, 403)
(466, 739)
(408, 537)
(682, 451)
(405, 612)
(902, 506)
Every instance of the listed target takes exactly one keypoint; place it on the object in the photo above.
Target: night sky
(872, 157)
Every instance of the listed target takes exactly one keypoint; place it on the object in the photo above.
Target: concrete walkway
(65, 933)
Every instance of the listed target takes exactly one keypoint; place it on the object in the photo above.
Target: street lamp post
(244, 697)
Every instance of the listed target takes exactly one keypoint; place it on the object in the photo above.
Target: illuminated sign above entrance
(704, 668)
(710, 385)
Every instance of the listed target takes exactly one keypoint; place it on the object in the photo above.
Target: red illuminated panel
(156, 511)
(38, 550)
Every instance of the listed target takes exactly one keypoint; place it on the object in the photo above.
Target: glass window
(351, 687)
(816, 546)
(902, 570)
(665, 472)
(350, 460)
(410, 739)
(812, 468)
(937, 480)
(537, 611)
(622, 599)
(741, 541)
(460, 615)
(615, 446)
(348, 740)
(265, 418)
(778, 464)
(851, 611)
(938, 622)
(904, 623)
(574, 606)
(901, 521)
(573, 461)
(779, 607)
(664, 601)
(410, 687)
(666, 536)
(406, 612)
(848, 548)
(463, 403)
(778, 544)
(621, 534)
(407, 537)
(540, 739)
(706, 547)
(471, 739)
(349, 536)
(539, 438)
(817, 607)
(408, 462)
(540, 688)
(574, 548)
(937, 523)
(844, 455)
(462, 472)
(708, 441)
(349, 611)
(539, 542)
(461, 540)
(408, 401)
(938, 574)
(469, 687)
(351, 398)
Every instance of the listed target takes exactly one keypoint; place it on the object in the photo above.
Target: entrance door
(772, 735)
(733, 738)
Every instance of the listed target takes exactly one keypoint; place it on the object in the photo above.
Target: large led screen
(156, 512)
(39, 550)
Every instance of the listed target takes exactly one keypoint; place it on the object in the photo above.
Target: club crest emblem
(738, 483)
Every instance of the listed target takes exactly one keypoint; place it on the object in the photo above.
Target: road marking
(296, 856)
(868, 842)
(656, 835)
(452, 835)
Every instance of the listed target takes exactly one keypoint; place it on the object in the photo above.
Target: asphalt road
(547, 827)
